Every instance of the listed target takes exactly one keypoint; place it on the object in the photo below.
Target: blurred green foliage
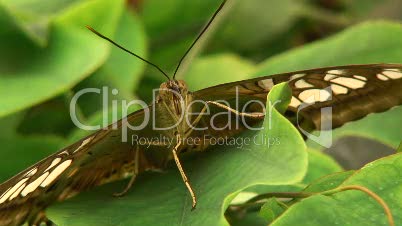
(47, 55)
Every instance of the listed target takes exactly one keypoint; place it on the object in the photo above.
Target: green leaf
(21, 152)
(321, 174)
(33, 17)
(162, 18)
(9, 124)
(217, 176)
(121, 71)
(269, 18)
(252, 218)
(370, 9)
(124, 70)
(283, 103)
(49, 118)
(45, 70)
(351, 46)
(352, 207)
(320, 164)
(329, 181)
(172, 25)
(29, 75)
(223, 68)
(97, 14)
(271, 209)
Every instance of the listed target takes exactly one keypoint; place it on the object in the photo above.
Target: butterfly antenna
(199, 36)
(128, 51)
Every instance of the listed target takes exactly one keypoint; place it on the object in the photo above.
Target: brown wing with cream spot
(94, 160)
(352, 91)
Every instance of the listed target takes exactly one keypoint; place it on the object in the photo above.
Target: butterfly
(102, 157)
(356, 90)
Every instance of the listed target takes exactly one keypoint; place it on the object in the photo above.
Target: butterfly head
(178, 86)
(173, 92)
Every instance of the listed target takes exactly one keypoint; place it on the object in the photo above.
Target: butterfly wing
(351, 91)
(94, 160)
(101, 157)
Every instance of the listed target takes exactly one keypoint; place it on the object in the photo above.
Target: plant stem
(326, 16)
(281, 195)
(373, 195)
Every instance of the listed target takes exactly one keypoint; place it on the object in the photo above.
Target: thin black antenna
(199, 36)
(128, 51)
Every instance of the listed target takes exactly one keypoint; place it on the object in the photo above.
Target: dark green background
(46, 55)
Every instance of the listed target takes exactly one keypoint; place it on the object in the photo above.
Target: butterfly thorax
(173, 93)
(172, 108)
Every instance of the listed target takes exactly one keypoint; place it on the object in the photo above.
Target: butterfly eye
(176, 89)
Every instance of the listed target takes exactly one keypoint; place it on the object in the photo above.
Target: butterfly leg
(41, 219)
(132, 179)
(183, 175)
(256, 115)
